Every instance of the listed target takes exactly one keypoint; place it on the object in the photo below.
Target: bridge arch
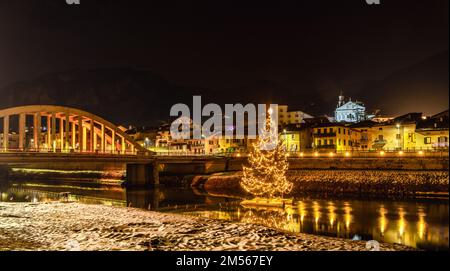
(63, 129)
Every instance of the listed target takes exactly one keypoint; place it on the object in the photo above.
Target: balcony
(329, 146)
(333, 134)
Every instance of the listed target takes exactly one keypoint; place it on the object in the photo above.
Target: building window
(380, 137)
(319, 142)
(427, 140)
(381, 129)
(339, 130)
(344, 142)
(331, 141)
(339, 142)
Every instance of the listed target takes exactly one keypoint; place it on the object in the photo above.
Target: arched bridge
(49, 128)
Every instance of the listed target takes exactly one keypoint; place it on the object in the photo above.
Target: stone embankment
(346, 182)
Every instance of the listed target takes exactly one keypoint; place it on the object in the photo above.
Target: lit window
(427, 140)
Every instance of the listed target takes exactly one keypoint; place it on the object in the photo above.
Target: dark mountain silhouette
(128, 96)
(120, 95)
(422, 87)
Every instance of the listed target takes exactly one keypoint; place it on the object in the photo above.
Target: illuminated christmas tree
(266, 174)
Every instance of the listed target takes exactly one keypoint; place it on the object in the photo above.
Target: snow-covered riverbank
(75, 226)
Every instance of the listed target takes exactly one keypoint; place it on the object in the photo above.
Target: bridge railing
(324, 154)
(72, 151)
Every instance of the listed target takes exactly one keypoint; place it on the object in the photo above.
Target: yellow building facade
(336, 137)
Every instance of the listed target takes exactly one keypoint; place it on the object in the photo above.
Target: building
(350, 111)
(286, 117)
(336, 137)
(296, 138)
(144, 136)
(396, 134)
(433, 133)
(366, 133)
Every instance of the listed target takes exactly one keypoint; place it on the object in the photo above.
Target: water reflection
(350, 219)
(420, 223)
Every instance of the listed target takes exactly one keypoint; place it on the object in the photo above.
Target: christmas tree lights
(266, 174)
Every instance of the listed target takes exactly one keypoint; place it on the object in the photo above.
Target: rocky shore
(380, 183)
(75, 226)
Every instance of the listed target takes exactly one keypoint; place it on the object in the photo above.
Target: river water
(420, 223)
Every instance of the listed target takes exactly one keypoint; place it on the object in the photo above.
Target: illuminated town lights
(331, 154)
(301, 154)
(382, 153)
(316, 154)
(347, 154)
(420, 152)
(400, 153)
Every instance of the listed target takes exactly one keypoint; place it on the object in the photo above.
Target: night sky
(392, 56)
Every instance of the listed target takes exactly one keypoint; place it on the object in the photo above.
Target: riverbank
(377, 183)
(75, 226)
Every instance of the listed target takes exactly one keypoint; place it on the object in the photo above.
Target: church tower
(341, 99)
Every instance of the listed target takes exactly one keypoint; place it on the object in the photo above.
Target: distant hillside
(120, 95)
(127, 96)
(428, 80)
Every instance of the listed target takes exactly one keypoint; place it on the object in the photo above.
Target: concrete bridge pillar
(21, 131)
(142, 175)
(61, 133)
(92, 136)
(80, 134)
(53, 132)
(113, 141)
(74, 133)
(37, 130)
(102, 139)
(6, 133)
(84, 139)
(122, 145)
(66, 132)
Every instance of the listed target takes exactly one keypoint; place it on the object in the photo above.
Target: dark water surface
(420, 223)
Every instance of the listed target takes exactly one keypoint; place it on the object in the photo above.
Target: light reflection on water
(417, 223)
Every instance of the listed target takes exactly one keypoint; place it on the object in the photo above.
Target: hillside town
(351, 129)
